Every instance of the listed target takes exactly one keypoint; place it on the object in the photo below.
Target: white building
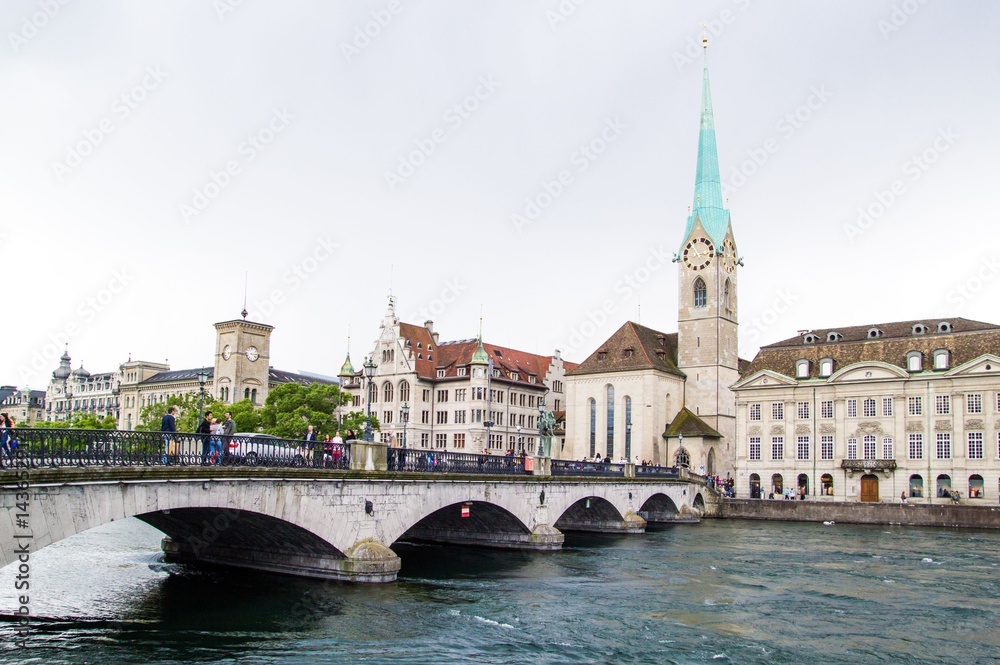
(867, 413)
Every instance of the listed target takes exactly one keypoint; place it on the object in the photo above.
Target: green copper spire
(707, 204)
(347, 369)
(480, 357)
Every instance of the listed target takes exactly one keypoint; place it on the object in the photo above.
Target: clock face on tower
(698, 254)
(252, 353)
(729, 255)
(227, 352)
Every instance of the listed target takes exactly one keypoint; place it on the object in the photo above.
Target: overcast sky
(154, 153)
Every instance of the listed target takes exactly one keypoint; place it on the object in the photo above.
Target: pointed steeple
(480, 357)
(708, 205)
(347, 369)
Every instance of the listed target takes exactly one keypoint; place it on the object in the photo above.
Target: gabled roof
(882, 342)
(633, 347)
(688, 424)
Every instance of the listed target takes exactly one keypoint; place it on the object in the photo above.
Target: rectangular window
(477, 415)
(427, 394)
(942, 405)
(442, 417)
(887, 406)
(440, 440)
(869, 407)
(754, 447)
(916, 446)
(944, 445)
(869, 444)
(386, 417)
(887, 448)
(460, 417)
(852, 408)
(425, 439)
(852, 449)
(802, 410)
(442, 396)
(778, 411)
(460, 394)
(975, 445)
(425, 417)
(440, 373)
(778, 447)
(974, 403)
(755, 412)
(826, 447)
(914, 406)
(460, 440)
(826, 409)
(802, 447)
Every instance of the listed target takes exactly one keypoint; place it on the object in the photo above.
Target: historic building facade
(869, 413)
(665, 397)
(241, 370)
(461, 396)
(26, 406)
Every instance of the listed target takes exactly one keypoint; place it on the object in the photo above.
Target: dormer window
(919, 329)
(914, 361)
(802, 369)
(629, 352)
(944, 327)
(942, 359)
(419, 345)
(874, 333)
(430, 348)
(810, 339)
(420, 356)
(601, 355)
(441, 373)
(462, 371)
(531, 379)
(662, 355)
(662, 339)
(834, 337)
(826, 367)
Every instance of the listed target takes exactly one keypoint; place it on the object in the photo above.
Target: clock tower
(707, 319)
(242, 360)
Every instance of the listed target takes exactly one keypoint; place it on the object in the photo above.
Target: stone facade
(453, 389)
(848, 414)
(27, 407)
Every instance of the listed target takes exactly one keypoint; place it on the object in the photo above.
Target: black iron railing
(571, 468)
(79, 447)
(657, 472)
(428, 461)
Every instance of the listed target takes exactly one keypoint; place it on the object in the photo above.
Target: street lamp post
(520, 443)
(628, 440)
(369, 373)
(202, 380)
(543, 452)
(405, 410)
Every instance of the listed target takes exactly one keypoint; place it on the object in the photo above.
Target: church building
(665, 397)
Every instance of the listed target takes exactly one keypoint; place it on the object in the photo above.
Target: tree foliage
(291, 407)
(81, 421)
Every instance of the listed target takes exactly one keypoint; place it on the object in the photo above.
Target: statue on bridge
(546, 427)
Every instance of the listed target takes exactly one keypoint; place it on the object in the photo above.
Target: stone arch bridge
(329, 524)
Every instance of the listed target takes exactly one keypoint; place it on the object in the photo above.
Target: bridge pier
(366, 562)
(542, 538)
(598, 523)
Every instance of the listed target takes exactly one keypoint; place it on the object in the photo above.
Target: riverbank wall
(910, 514)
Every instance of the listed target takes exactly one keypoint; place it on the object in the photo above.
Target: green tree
(355, 421)
(246, 416)
(80, 421)
(291, 407)
(187, 412)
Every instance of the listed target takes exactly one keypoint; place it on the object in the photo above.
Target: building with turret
(466, 395)
(665, 397)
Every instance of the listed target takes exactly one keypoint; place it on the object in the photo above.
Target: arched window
(916, 485)
(943, 486)
(826, 481)
(826, 367)
(611, 421)
(976, 486)
(404, 391)
(682, 458)
(246, 393)
(593, 427)
(372, 393)
(755, 486)
(700, 293)
(725, 297)
(628, 427)
(914, 361)
(387, 392)
(941, 359)
(777, 484)
(253, 395)
(802, 369)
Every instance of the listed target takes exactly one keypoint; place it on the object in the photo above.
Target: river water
(722, 591)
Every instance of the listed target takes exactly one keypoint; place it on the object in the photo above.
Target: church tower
(707, 304)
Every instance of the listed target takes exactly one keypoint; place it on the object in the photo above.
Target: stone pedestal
(369, 456)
